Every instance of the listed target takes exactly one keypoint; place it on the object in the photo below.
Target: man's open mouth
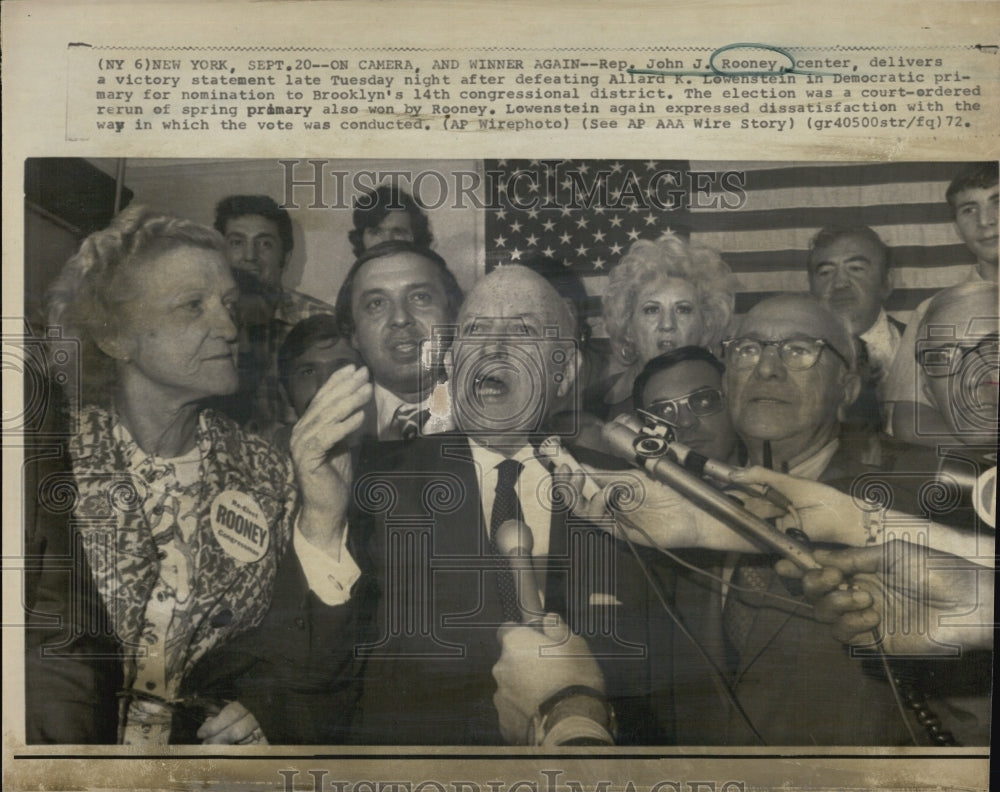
(489, 387)
(492, 380)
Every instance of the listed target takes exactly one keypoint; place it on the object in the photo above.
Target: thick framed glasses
(702, 402)
(942, 361)
(797, 354)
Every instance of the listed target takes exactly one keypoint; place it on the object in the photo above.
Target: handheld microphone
(699, 464)
(637, 448)
(515, 542)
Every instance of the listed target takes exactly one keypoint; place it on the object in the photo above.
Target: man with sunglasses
(682, 390)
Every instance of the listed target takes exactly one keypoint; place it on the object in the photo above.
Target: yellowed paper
(195, 100)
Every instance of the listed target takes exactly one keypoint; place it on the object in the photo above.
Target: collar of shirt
(533, 491)
(386, 404)
(882, 340)
(812, 467)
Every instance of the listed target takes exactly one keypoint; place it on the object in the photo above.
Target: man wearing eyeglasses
(790, 374)
(957, 364)
(790, 377)
(683, 389)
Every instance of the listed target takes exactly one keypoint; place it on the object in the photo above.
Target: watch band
(572, 729)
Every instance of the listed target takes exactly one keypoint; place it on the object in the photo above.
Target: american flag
(582, 213)
(765, 239)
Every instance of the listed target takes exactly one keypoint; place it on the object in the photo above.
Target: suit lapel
(770, 617)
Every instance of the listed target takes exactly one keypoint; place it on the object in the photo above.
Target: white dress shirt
(882, 341)
(387, 402)
(328, 579)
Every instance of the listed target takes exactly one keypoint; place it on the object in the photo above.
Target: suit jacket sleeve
(296, 671)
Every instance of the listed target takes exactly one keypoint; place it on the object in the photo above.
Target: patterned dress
(183, 551)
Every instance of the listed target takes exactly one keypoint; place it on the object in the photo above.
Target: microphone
(649, 452)
(515, 542)
(698, 463)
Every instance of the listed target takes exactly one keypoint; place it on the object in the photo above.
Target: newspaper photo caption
(805, 95)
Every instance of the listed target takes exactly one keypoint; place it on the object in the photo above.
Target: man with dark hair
(973, 196)
(683, 389)
(310, 353)
(259, 243)
(388, 214)
(393, 298)
(849, 271)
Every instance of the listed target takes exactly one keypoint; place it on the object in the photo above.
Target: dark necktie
(407, 422)
(506, 507)
(741, 607)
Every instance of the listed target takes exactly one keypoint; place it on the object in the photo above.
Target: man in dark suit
(434, 511)
(790, 377)
(850, 272)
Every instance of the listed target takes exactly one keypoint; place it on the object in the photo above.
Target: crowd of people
(421, 517)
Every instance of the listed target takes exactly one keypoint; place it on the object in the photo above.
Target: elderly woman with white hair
(181, 518)
(661, 296)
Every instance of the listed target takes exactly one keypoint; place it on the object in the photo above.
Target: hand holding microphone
(628, 442)
(550, 690)
(515, 541)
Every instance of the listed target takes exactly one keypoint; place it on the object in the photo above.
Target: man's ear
(569, 371)
(887, 286)
(851, 384)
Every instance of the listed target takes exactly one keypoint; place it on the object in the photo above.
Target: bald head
(957, 350)
(514, 357)
(790, 372)
(515, 291)
(799, 312)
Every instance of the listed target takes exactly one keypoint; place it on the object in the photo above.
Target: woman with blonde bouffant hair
(663, 295)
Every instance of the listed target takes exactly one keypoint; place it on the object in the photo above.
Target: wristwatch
(574, 715)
